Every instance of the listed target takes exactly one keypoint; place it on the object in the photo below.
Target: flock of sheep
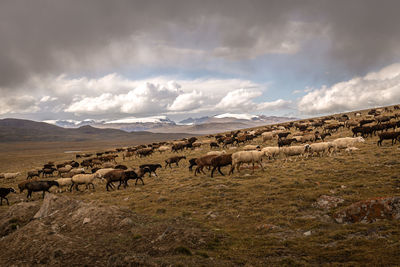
(305, 138)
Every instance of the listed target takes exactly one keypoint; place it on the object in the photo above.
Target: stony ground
(282, 216)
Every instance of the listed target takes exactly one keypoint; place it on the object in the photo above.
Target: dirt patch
(73, 232)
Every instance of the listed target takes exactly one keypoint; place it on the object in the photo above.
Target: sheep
(114, 176)
(203, 162)
(220, 161)
(33, 173)
(162, 149)
(130, 174)
(294, 150)
(64, 169)
(86, 179)
(271, 152)
(319, 148)
(175, 160)
(267, 136)
(388, 136)
(324, 135)
(121, 167)
(74, 172)
(246, 157)
(286, 142)
(4, 192)
(100, 173)
(351, 149)
(152, 168)
(63, 182)
(36, 186)
(213, 144)
(346, 142)
(48, 171)
(283, 135)
(216, 153)
(22, 185)
(10, 175)
(308, 138)
(251, 147)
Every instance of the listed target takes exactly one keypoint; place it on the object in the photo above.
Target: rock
(370, 210)
(161, 199)
(86, 220)
(308, 233)
(45, 208)
(126, 222)
(266, 227)
(327, 202)
(161, 211)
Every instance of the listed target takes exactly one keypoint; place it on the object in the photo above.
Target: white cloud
(18, 104)
(239, 99)
(374, 89)
(188, 101)
(274, 105)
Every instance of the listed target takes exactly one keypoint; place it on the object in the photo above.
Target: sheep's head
(360, 139)
(12, 190)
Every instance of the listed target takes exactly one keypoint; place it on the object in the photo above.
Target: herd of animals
(303, 138)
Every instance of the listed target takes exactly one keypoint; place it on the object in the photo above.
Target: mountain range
(162, 124)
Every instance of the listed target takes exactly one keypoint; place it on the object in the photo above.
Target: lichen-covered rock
(370, 210)
(328, 202)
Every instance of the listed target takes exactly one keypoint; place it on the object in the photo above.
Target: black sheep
(220, 161)
(4, 192)
(37, 186)
(151, 167)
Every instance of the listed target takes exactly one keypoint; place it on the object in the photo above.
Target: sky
(110, 60)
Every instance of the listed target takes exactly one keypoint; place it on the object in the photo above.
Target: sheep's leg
(238, 167)
(219, 169)
(232, 169)
(43, 193)
(1, 201)
(212, 172)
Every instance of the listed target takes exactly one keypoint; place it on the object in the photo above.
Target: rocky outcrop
(370, 210)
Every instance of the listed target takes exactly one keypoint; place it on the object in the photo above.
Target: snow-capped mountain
(162, 124)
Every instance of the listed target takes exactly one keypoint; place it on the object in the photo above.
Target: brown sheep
(203, 162)
(175, 160)
(220, 161)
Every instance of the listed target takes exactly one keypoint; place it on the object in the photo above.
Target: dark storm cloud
(52, 37)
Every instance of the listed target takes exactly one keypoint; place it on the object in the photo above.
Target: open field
(265, 218)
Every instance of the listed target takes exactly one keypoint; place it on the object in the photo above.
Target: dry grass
(264, 216)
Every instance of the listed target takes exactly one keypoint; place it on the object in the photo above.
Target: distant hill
(17, 130)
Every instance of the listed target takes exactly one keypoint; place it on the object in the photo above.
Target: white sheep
(162, 149)
(64, 169)
(240, 157)
(63, 182)
(101, 172)
(268, 136)
(294, 151)
(216, 153)
(251, 147)
(271, 151)
(351, 149)
(86, 179)
(319, 148)
(345, 142)
(9, 175)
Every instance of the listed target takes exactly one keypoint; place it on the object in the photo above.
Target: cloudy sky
(79, 59)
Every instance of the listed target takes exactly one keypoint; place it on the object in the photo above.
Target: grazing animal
(37, 186)
(324, 135)
(175, 160)
(214, 144)
(246, 157)
(64, 182)
(86, 179)
(10, 175)
(286, 142)
(33, 173)
(271, 151)
(294, 151)
(220, 161)
(388, 136)
(345, 142)
(151, 167)
(4, 192)
(203, 162)
(216, 153)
